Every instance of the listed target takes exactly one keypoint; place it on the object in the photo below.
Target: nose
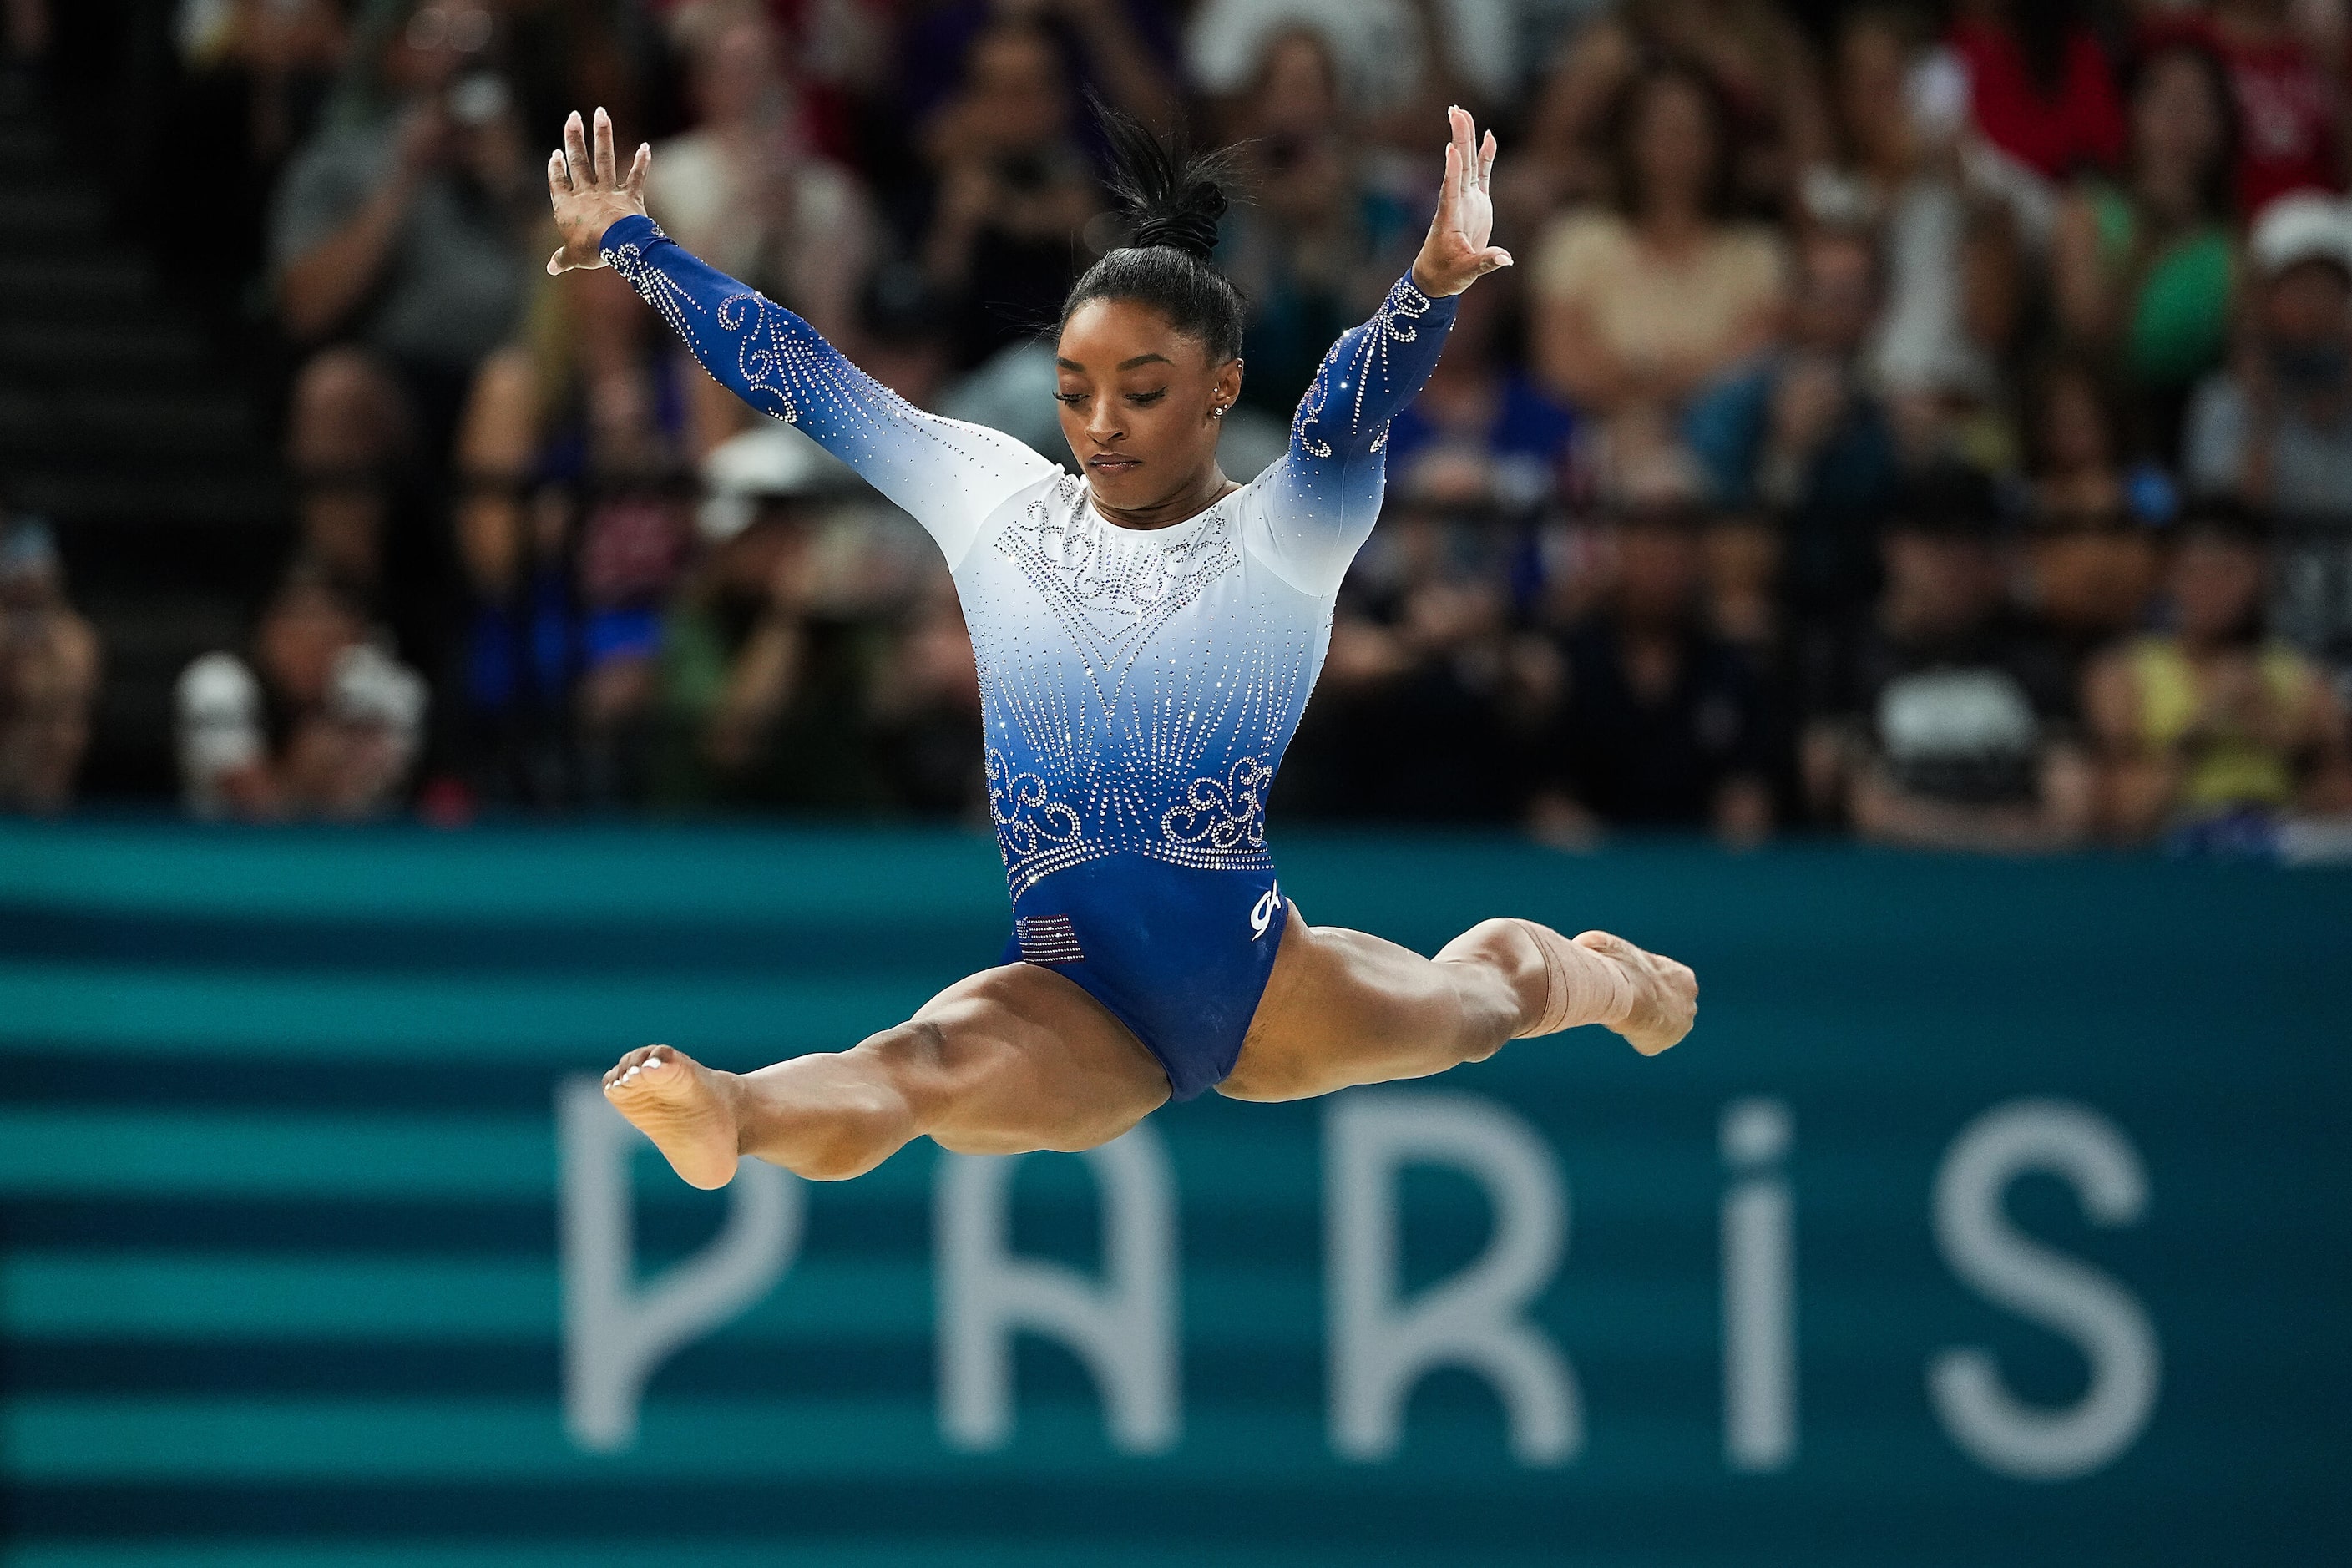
(1103, 426)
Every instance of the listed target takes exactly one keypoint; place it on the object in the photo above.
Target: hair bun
(1193, 231)
(1173, 197)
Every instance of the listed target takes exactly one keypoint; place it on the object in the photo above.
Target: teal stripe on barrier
(584, 1024)
(490, 1441)
(74, 1295)
(781, 1553)
(485, 1442)
(402, 873)
(210, 1155)
(79, 1296)
(1226, 1165)
(342, 1298)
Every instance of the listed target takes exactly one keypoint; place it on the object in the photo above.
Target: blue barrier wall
(1995, 1212)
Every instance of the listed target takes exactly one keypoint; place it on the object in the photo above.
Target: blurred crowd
(1927, 422)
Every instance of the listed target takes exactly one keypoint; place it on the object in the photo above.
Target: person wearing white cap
(2274, 431)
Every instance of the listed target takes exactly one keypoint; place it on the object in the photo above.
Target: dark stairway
(122, 426)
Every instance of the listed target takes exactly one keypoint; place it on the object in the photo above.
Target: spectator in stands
(256, 75)
(764, 675)
(48, 675)
(2276, 431)
(1126, 50)
(1390, 56)
(1633, 312)
(571, 527)
(1660, 723)
(2091, 545)
(398, 243)
(2073, 440)
(1945, 240)
(925, 712)
(2213, 730)
(1318, 243)
(1769, 83)
(1801, 433)
(1013, 190)
(2288, 93)
(743, 192)
(1420, 646)
(323, 723)
(1939, 725)
(1561, 158)
(2140, 271)
(1481, 431)
(2040, 86)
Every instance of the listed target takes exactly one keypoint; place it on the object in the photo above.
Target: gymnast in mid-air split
(1147, 633)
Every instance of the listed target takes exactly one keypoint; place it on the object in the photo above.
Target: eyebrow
(1123, 365)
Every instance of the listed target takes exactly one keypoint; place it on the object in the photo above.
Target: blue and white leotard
(1138, 687)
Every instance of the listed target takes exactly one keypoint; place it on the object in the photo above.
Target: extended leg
(1010, 1061)
(1345, 1008)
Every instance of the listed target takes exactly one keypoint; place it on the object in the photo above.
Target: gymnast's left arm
(1319, 502)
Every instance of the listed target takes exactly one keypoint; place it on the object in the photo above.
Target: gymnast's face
(1139, 409)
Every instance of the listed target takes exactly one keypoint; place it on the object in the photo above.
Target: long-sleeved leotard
(1138, 687)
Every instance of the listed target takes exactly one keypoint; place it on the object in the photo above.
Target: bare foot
(682, 1106)
(1665, 993)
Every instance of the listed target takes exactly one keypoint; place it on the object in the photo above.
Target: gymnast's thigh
(1343, 1007)
(1018, 1059)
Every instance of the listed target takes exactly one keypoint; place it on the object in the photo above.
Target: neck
(2170, 194)
(1205, 491)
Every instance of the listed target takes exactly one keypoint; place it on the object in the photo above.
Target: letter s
(2007, 1268)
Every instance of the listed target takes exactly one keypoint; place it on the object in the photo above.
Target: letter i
(1759, 1290)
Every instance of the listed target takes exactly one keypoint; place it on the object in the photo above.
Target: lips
(1113, 463)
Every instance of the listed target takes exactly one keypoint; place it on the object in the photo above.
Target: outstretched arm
(948, 475)
(1322, 499)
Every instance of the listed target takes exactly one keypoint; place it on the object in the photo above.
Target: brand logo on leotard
(1262, 916)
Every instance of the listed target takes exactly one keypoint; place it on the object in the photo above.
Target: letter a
(1124, 1329)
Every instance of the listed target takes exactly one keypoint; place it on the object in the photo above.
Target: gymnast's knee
(1497, 970)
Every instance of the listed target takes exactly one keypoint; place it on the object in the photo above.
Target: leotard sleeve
(947, 474)
(1317, 504)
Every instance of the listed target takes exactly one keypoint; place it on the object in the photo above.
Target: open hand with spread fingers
(590, 193)
(1456, 254)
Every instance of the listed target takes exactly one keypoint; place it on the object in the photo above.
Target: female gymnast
(1147, 633)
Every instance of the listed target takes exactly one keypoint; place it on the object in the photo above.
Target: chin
(1127, 491)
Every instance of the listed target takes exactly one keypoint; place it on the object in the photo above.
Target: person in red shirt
(2291, 108)
(2040, 85)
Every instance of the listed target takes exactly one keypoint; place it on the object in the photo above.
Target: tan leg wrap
(1582, 985)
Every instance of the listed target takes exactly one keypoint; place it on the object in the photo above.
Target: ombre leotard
(1138, 687)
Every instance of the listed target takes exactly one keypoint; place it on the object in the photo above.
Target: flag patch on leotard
(1048, 939)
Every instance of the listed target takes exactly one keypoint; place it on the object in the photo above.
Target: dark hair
(2225, 520)
(2041, 397)
(1948, 500)
(2217, 182)
(1625, 127)
(2045, 31)
(1173, 197)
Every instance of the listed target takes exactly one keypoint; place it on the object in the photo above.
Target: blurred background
(1906, 429)
(1932, 424)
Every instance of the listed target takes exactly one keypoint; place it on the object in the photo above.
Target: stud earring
(1218, 412)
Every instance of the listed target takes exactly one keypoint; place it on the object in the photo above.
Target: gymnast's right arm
(947, 474)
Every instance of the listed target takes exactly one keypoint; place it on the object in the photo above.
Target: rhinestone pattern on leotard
(1137, 688)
